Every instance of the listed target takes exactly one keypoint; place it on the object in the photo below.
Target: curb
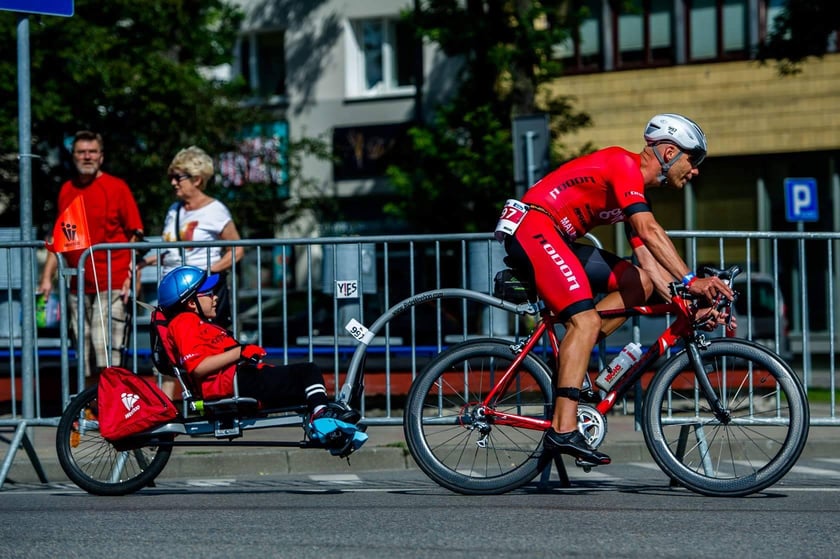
(193, 463)
(253, 462)
(390, 454)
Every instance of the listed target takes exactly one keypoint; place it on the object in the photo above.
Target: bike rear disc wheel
(93, 463)
(753, 447)
(449, 438)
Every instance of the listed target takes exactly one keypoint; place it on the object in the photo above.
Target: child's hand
(251, 352)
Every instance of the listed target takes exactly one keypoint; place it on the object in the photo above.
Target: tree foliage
(141, 74)
(801, 30)
(460, 166)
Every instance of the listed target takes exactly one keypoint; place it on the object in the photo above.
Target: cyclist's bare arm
(665, 253)
(659, 275)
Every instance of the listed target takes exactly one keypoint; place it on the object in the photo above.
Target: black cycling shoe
(575, 445)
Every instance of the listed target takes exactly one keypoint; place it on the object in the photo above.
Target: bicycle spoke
(748, 446)
(476, 452)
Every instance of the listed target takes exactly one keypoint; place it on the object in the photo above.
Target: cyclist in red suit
(602, 188)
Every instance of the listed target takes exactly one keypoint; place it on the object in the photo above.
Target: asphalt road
(624, 510)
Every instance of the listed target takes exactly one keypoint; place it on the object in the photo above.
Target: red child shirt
(112, 217)
(194, 340)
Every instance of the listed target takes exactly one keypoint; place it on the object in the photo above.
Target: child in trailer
(215, 360)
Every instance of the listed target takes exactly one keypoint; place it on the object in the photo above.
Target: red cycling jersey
(602, 188)
(597, 189)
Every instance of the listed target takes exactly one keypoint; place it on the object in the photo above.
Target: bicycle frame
(680, 329)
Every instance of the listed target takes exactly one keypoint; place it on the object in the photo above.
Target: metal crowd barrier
(295, 297)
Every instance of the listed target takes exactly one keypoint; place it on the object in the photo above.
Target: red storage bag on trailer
(129, 404)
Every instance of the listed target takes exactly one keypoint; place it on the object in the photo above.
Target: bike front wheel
(748, 447)
(448, 433)
(93, 463)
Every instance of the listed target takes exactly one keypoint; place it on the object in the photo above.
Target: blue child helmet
(183, 282)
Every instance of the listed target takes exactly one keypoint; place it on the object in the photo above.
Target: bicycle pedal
(585, 465)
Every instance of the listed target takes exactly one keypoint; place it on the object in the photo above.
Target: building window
(772, 9)
(262, 63)
(582, 51)
(644, 33)
(260, 157)
(633, 34)
(365, 152)
(717, 29)
(380, 58)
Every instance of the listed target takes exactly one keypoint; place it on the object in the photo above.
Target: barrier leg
(19, 438)
(557, 462)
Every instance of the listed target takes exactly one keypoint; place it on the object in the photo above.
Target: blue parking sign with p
(801, 199)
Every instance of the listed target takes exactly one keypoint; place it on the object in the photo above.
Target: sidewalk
(385, 450)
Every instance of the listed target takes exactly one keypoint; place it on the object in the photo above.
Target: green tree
(141, 74)
(459, 169)
(801, 30)
(136, 73)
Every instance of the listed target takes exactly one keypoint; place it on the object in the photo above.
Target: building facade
(346, 71)
(351, 74)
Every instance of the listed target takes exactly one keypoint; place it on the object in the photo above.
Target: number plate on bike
(359, 331)
(511, 218)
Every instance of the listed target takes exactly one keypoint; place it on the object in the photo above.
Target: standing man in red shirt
(112, 217)
(601, 188)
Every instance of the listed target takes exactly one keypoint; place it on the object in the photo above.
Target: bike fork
(705, 386)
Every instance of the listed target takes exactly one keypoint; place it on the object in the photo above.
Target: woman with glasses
(197, 216)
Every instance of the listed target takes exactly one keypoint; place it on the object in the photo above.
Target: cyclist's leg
(561, 281)
(623, 284)
(283, 385)
(581, 332)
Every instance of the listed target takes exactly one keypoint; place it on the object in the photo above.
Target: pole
(27, 362)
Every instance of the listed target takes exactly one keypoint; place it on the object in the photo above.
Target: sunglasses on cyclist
(695, 157)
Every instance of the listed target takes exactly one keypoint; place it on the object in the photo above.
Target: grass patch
(822, 395)
(397, 444)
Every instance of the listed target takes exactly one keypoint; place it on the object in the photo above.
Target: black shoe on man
(575, 445)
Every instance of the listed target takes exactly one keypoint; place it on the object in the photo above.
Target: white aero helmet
(680, 131)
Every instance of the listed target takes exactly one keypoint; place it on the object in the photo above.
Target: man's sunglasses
(695, 157)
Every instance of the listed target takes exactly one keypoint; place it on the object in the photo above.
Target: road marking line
(815, 471)
(646, 465)
(594, 475)
(215, 482)
(802, 489)
(801, 470)
(336, 478)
